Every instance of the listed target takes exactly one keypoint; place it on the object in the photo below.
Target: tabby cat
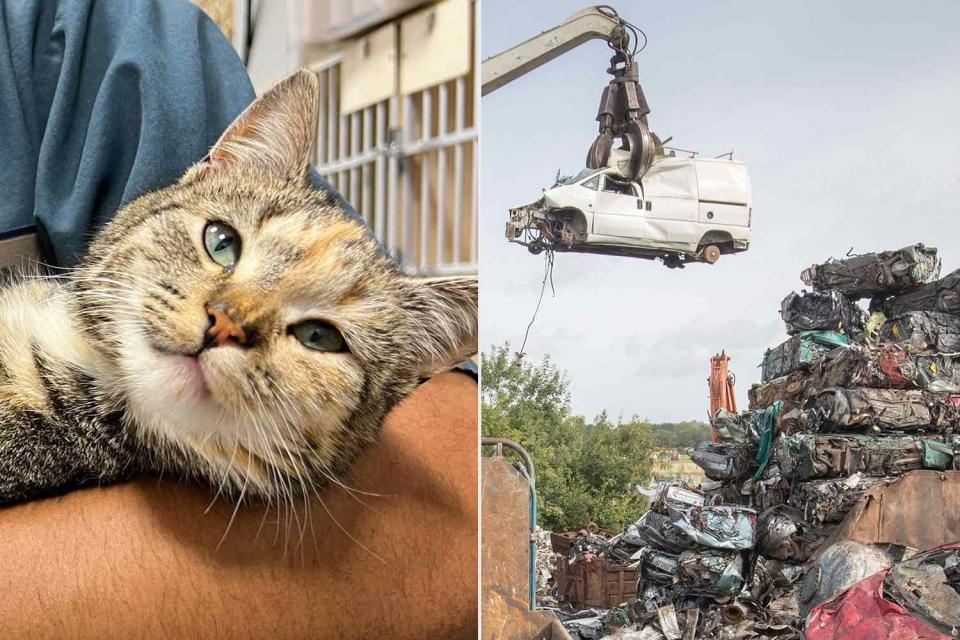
(238, 327)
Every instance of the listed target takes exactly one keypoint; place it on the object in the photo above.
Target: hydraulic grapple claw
(638, 139)
(623, 115)
(600, 151)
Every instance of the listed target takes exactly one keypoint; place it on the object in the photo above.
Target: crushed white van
(683, 210)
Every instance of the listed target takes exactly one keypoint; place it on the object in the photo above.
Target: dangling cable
(547, 275)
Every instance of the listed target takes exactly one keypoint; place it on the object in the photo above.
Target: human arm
(140, 559)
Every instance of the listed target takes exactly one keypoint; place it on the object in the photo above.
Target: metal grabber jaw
(623, 115)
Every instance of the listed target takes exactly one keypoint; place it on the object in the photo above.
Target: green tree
(586, 472)
(679, 435)
(530, 404)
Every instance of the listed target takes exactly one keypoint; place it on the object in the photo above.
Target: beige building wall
(398, 129)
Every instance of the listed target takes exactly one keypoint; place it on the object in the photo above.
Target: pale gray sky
(847, 116)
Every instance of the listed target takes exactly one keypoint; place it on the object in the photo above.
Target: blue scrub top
(101, 101)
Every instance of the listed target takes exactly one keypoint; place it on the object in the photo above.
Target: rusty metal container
(596, 583)
(505, 559)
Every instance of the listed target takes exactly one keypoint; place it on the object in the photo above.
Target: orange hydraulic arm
(721, 381)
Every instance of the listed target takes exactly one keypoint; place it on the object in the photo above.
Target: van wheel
(711, 253)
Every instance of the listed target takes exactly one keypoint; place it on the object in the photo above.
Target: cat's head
(256, 329)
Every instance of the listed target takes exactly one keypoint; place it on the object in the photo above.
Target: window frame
(597, 176)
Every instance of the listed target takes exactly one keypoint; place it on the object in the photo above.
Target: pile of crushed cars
(852, 403)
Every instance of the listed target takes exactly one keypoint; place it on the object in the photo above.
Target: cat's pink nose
(224, 328)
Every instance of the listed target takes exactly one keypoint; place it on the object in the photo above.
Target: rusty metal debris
(917, 598)
(808, 456)
(854, 418)
(871, 274)
(841, 566)
(786, 535)
(884, 409)
(929, 585)
(548, 560)
(939, 295)
(923, 331)
(828, 501)
(800, 352)
(821, 311)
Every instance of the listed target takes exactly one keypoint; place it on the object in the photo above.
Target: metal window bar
(458, 170)
(426, 131)
(380, 175)
(408, 165)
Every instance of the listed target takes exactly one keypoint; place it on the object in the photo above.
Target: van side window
(615, 186)
(592, 183)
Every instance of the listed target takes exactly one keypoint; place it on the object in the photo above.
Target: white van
(683, 210)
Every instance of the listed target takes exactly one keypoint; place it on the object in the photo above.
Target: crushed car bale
(821, 310)
(873, 274)
(923, 331)
(852, 416)
(799, 353)
(939, 295)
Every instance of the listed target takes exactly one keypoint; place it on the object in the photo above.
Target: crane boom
(722, 393)
(623, 108)
(589, 24)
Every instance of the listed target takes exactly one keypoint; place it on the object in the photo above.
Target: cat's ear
(443, 312)
(272, 135)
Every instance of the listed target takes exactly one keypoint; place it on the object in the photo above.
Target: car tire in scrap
(711, 253)
(600, 151)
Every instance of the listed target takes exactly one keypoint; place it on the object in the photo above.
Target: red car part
(862, 613)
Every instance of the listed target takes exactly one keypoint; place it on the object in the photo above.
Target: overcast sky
(847, 115)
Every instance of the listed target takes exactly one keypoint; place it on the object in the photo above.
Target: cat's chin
(185, 376)
(201, 384)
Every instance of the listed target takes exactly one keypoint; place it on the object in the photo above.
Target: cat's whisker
(233, 516)
(265, 441)
(331, 477)
(222, 481)
(297, 475)
(300, 471)
(267, 508)
(280, 480)
(347, 533)
(350, 492)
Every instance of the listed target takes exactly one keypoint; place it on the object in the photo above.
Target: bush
(586, 472)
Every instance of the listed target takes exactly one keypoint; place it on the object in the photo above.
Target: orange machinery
(721, 384)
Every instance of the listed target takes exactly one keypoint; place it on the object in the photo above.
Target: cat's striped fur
(103, 371)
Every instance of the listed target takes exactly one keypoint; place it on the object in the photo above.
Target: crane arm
(722, 393)
(589, 24)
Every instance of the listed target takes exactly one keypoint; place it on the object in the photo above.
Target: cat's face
(251, 322)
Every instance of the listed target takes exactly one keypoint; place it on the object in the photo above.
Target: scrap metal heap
(849, 403)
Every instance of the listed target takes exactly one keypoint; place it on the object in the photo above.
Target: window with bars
(408, 165)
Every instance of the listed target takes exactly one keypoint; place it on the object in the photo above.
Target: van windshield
(577, 178)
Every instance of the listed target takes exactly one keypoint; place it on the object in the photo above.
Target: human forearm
(141, 559)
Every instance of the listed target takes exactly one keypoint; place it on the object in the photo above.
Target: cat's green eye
(222, 243)
(319, 336)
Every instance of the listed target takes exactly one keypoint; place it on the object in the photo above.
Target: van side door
(619, 210)
(670, 190)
